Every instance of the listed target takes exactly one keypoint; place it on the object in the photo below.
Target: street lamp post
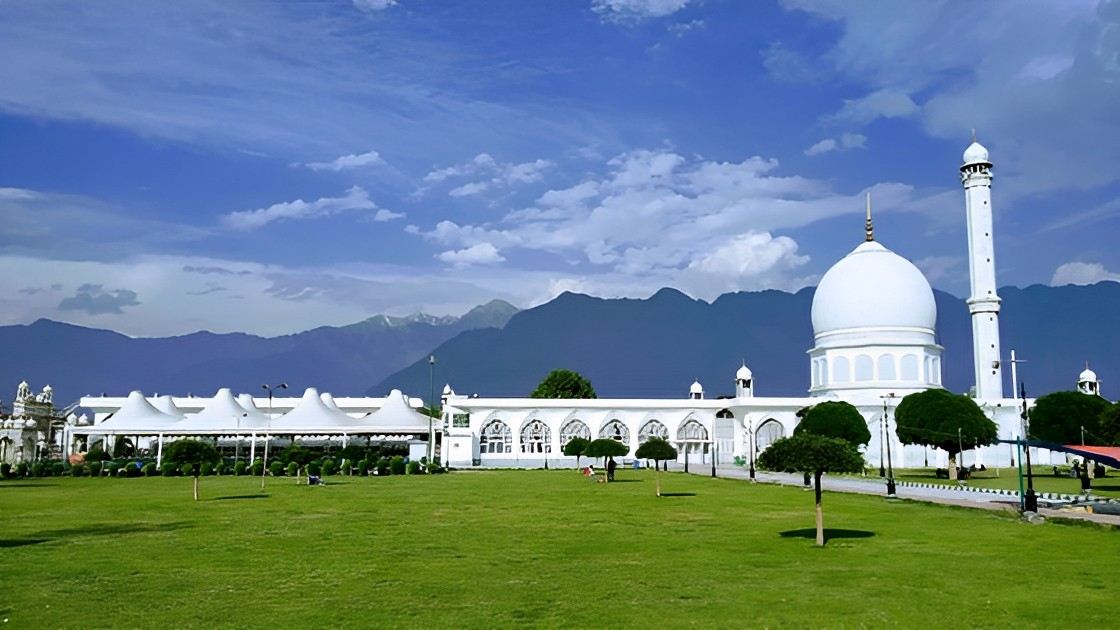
(890, 467)
(752, 441)
(267, 437)
(882, 442)
(1030, 502)
(431, 404)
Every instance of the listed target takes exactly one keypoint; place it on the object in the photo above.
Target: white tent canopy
(396, 416)
(136, 415)
(167, 405)
(312, 416)
(222, 414)
(246, 402)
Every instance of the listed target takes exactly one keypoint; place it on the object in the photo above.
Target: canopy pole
(159, 453)
(252, 448)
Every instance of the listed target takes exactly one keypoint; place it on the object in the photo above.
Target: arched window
(496, 438)
(653, 428)
(768, 432)
(886, 367)
(864, 368)
(536, 437)
(909, 365)
(573, 429)
(692, 431)
(816, 373)
(615, 430)
(840, 371)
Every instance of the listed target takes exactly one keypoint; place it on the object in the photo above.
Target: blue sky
(270, 167)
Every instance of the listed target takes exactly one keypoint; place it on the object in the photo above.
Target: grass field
(512, 548)
(1007, 478)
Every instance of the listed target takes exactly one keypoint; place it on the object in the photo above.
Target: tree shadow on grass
(26, 485)
(20, 542)
(94, 529)
(236, 497)
(678, 494)
(627, 481)
(829, 534)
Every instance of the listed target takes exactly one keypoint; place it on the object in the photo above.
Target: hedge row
(396, 465)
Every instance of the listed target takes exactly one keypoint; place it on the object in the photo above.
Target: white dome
(874, 288)
(696, 388)
(743, 373)
(976, 153)
(1087, 376)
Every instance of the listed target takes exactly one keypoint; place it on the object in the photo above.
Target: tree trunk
(196, 488)
(606, 477)
(657, 479)
(952, 466)
(820, 514)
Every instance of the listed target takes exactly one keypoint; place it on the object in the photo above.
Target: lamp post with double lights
(268, 437)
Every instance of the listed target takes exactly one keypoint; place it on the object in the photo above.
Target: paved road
(877, 486)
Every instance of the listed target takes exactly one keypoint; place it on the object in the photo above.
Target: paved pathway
(877, 486)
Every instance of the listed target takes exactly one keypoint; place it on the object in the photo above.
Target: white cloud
(1082, 273)
(885, 103)
(843, 143)
(382, 215)
(488, 174)
(373, 5)
(480, 254)
(636, 10)
(345, 162)
(356, 198)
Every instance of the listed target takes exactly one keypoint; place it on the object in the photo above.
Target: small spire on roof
(868, 228)
(974, 134)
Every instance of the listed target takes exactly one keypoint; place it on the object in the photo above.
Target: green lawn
(486, 549)
(1007, 478)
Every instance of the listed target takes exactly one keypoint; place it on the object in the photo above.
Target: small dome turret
(743, 373)
(976, 153)
(696, 390)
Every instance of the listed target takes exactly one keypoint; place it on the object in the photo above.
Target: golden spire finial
(868, 228)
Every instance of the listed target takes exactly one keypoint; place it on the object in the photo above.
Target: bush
(22, 469)
(414, 468)
(276, 468)
(239, 468)
(94, 468)
(109, 469)
(257, 468)
(221, 468)
(5, 470)
(169, 470)
(122, 472)
(329, 467)
(206, 469)
(38, 469)
(435, 469)
(58, 468)
(293, 469)
(383, 466)
(149, 469)
(186, 469)
(396, 465)
(314, 469)
(78, 470)
(97, 453)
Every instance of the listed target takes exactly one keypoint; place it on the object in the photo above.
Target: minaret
(983, 303)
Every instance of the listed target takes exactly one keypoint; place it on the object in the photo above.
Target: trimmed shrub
(221, 468)
(239, 468)
(435, 469)
(149, 469)
(276, 468)
(122, 473)
(5, 470)
(329, 467)
(38, 469)
(169, 470)
(363, 467)
(22, 469)
(383, 466)
(257, 468)
(58, 468)
(314, 469)
(414, 468)
(186, 469)
(396, 465)
(78, 470)
(206, 469)
(293, 469)
(94, 468)
(109, 469)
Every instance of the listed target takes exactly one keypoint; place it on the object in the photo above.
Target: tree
(193, 452)
(944, 420)
(813, 454)
(1110, 424)
(836, 419)
(606, 447)
(1059, 417)
(564, 384)
(658, 450)
(576, 447)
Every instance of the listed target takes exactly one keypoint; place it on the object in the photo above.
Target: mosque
(874, 320)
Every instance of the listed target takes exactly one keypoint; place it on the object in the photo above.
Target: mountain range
(657, 346)
(77, 361)
(653, 347)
